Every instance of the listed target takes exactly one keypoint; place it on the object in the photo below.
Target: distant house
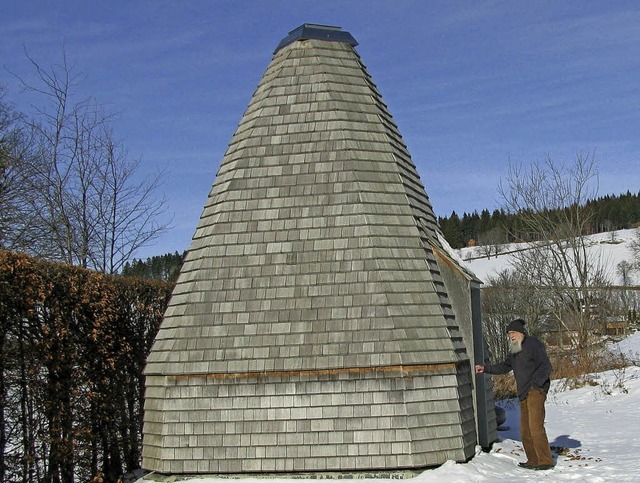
(558, 333)
(614, 326)
(563, 331)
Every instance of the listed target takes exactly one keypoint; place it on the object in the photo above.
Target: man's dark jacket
(531, 367)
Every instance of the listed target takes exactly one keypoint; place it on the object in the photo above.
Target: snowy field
(609, 248)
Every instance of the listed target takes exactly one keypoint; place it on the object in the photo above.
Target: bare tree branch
(550, 202)
(85, 202)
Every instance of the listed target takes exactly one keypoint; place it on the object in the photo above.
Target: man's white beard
(515, 346)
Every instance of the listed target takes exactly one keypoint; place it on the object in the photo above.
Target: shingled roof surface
(313, 252)
(312, 248)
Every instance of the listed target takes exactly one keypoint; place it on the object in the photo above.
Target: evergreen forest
(160, 267)
(607, 213)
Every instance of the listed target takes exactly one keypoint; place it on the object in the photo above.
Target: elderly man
(532, 369)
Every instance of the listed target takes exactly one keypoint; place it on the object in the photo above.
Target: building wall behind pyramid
(310, 328)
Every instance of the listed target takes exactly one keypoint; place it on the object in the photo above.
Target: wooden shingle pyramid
(311, 328)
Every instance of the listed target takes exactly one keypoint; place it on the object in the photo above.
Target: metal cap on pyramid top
(309, 31)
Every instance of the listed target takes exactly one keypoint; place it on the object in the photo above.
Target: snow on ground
(594, 431)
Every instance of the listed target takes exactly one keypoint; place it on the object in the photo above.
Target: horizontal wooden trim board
(324, 372)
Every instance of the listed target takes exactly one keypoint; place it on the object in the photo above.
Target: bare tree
(491, 242)
(635, 249)
(15, 152)
(550, 202)
(624, 269)
(88, 207)
(8, 141)
(507, 296)
(127, 211)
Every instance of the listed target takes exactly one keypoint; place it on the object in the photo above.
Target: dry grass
(504, 386)
(573, 366)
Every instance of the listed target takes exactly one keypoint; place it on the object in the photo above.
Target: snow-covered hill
(611, 247)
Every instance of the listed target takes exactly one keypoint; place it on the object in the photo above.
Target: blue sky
(470, 84)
